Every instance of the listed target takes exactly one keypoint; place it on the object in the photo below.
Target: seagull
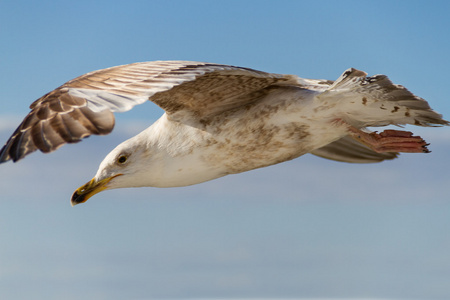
(220, 120)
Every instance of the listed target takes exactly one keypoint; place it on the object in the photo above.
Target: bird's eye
(122, 159)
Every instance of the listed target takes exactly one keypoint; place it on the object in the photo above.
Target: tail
(376, 101)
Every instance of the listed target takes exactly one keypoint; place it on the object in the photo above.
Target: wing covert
(85, 105)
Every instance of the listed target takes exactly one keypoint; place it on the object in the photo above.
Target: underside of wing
(216, 92)
(349, 150)
(201, 88)
(85, 105)
(59, 120)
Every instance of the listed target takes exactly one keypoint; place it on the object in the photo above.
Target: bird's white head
(122, 167)
(163, 155)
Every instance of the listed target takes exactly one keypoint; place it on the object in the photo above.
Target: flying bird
(220, 120)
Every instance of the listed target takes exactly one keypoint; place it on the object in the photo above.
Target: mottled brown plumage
(182, 89)
(68, 114)
(221, 120)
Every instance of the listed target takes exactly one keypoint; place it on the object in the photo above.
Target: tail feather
(376, 101)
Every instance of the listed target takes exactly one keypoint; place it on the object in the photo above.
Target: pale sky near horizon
(309, 228)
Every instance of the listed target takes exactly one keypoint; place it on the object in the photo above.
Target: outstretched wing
(85, 105)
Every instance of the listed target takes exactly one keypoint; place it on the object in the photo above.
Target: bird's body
(221, 120)
(275, 129)
(256, 136)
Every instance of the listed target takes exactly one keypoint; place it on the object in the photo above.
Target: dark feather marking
(38, 138)
(77, 114)
(21, 146)
(59, 126)
(76, 130)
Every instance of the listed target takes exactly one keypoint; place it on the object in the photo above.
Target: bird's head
(120, 168)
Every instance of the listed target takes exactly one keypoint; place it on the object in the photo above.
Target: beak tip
(91, 188)
(77, 199)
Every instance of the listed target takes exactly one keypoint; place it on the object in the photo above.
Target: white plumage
(220, 120)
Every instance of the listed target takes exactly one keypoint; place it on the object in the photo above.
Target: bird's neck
(177, 155)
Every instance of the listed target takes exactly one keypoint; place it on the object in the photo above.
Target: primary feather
(222, 119)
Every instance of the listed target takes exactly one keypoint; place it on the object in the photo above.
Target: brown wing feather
(211, 94)
(84, 105)
(350, 150)
(55, 119)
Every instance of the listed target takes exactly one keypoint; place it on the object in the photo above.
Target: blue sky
(309, 228)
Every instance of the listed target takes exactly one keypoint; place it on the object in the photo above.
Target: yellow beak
(88, 190)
